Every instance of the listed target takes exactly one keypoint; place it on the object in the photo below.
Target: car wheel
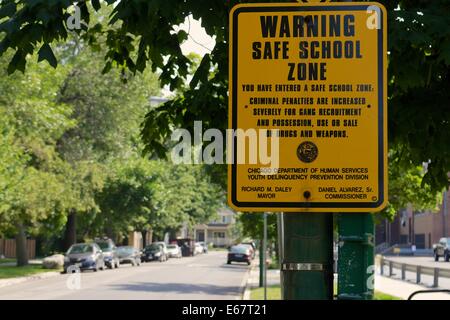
(447, 257)
(436, 257)
(228, 262)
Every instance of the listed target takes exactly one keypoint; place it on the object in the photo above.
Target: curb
(247, 290)
(12, 281)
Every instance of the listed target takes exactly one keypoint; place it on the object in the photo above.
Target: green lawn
(14, 272)
(7, 260)
(274, 293)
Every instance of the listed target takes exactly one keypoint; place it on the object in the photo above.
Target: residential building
(422, 229)
(217, 232)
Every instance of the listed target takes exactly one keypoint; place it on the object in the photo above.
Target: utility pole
(307, 256)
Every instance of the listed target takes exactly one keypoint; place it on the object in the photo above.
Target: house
(217, 232)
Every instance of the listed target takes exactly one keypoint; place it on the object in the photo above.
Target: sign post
(308, 101)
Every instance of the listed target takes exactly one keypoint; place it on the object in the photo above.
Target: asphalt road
(202, 277)
(426, 280)
(422, 261)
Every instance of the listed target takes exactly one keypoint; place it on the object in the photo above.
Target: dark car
(129, 254)
(250, 247)
(252, 243)
(154, 252)
(239, 254)
(85, 256)
(109, 252)
(187, 246)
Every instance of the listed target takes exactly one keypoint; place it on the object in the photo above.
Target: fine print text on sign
(308, 107)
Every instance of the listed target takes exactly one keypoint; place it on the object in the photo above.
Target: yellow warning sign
(307, 110)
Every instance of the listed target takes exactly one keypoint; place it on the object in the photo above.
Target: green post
(261, 264)
(307, 256)
(356, 269)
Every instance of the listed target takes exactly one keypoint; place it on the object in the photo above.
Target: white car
(164, 246)
(174, 251)
(198, 248)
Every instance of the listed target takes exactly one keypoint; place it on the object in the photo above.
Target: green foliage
(138, 32)
(32, 189)
(141, 194)
(253, 226)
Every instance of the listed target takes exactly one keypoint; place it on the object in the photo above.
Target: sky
(198, 42)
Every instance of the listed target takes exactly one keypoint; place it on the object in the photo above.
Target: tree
(32, 192)
(140, 32)
(107, 113)
(141, 195)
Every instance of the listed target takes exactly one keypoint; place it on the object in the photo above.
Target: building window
(219, 234)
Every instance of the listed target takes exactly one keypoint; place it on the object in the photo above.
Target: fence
(435, 273)
(8, 248)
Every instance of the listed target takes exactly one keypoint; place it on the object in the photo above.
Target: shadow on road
(181, 288)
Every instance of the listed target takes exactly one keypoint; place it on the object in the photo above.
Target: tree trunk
(70, 236)
(144, 238)
(21, 246)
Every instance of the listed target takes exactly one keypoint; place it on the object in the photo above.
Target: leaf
(8, 10)
(96, 4)
(18, 62)
(46, 53)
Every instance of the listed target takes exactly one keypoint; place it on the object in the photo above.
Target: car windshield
(238, 249)
(105, 246)
(153, 247)
(125, 249)
(80, 248)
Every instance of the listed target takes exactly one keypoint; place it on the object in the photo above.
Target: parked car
(153, 252)
(164, 247)
(250, 247)
(187, 246)
(204, 246)
(109, 252)
(252, 243)
(442, 249)
(174, 251)
(85, 256)
(239, 253)
(198, 248)
(129, 254)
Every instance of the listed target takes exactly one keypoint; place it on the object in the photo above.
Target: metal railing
(436, 273)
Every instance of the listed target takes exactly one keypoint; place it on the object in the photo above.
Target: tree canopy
(140, 34)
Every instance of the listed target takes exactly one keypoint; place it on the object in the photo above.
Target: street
(422, 261)
(205, 276)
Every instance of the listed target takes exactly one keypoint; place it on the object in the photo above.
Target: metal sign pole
(356, 269)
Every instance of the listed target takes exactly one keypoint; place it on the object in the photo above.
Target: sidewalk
(273, 278)
(403, 289)
(397, 288)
